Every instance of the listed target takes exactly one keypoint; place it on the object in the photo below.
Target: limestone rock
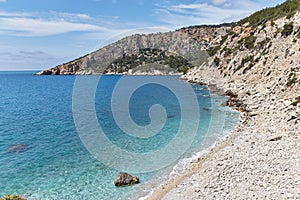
(125, 179)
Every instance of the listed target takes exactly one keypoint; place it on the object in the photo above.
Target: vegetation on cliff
(267, 38)
(286, 9)
(147, 56)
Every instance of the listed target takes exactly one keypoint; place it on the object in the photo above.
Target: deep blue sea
(44, 153)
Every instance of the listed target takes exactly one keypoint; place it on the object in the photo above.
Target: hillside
(187, 44)
(193, 44)
(268, 52)
(257, 63)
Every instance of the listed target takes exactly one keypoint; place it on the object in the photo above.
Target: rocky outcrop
(125, 179)
(260, 62)
(189, 43)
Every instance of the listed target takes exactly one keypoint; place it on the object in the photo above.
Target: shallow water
(37, 111)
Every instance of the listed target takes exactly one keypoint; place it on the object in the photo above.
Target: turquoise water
(36, 111)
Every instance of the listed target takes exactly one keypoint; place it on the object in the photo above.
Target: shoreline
(242, 165)
(205, 154)
(172, 182)
(183, 165)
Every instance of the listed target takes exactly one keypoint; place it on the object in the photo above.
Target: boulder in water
(124, 179)
(12, 197)
(16, 148)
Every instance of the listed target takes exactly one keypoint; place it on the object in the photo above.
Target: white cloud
(68, 16)
(2, 1)
(14, 14)
(219, 11)
(53, 23)
(39, 27)
(26, 59)
(219, 2)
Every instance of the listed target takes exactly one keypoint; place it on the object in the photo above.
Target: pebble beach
(259, 160)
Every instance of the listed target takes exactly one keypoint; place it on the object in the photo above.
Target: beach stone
(275, 139)
(125, 179)
(16, 148)
(287, 103)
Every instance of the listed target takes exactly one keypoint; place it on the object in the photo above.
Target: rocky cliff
(264, 57)
(258, 64)
(188, 43)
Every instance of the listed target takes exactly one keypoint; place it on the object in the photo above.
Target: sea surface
(42, 155)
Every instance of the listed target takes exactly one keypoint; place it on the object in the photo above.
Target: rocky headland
(166, 53)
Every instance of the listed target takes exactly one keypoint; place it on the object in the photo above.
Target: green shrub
(297, 33)
(183, 69)
(287, 29)
(291, 82)
(272, 23)
(250, 41)
(248, 68)
(217, 61)
(286, 9)
(263, 43)
(232, 33)
(213, 50)
(224, 38)
(247, 59)
(244, 61)
(227, 51)
(238, 68)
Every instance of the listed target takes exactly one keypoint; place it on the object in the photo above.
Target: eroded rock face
(187, 42)
(125, 179)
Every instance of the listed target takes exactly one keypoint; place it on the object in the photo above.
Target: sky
(39, 34)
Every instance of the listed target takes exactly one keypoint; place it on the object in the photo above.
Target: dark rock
(192, 81)
(201, 83)
(275, 139)
(292, 118)
(16, 148)
(230, 94)
(224, 103)
(124, 179)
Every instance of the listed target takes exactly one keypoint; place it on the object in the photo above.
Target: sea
(68, 137)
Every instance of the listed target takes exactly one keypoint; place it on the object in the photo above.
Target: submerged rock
(124, 179)
(16, 148)
(12, 197)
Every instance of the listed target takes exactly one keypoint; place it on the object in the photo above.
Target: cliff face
(264, 55)
(176, 43)
(260, 64)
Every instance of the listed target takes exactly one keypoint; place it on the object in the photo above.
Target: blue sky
(39, 34)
